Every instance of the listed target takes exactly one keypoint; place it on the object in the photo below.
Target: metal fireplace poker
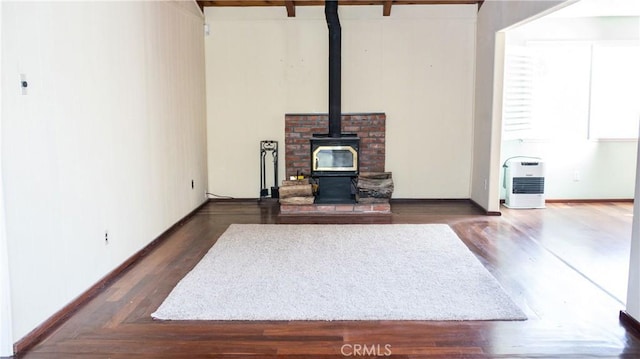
(268, 146)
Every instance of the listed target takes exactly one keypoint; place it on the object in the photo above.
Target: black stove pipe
(335, 60)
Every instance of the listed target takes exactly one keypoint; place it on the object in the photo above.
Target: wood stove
(334, 156)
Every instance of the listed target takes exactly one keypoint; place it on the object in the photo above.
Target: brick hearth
(338, 209)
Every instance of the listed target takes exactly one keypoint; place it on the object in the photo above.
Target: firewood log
(378, 188)
(303, 190)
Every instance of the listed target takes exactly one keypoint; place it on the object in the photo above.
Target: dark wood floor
(565, 266)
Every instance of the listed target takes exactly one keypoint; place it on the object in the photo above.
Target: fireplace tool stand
(268, 146)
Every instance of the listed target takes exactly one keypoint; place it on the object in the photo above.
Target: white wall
(416, 66)
(108, 139)
(633, 290)
(492, 17)
(6, 335)
(576, 167)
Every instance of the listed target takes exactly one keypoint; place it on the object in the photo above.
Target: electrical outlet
(106, 237)
(192, 184)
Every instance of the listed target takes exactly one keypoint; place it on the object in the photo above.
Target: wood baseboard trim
(487, 213)
(241, 200)
(37, 334)
(427, 200)
(603, 200)
(630, 323)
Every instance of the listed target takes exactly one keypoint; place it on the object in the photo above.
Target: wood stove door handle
(316, 166)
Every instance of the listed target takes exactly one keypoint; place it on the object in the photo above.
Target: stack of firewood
(374, 187)
(296, 192)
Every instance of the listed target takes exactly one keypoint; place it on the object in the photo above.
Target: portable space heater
(524, 182)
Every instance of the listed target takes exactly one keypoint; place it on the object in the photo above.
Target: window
(517, 94)
(615, 92)
(571, 90)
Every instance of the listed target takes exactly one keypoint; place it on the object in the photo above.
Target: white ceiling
(591, 8)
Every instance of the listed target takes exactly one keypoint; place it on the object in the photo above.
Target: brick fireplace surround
(370, 128)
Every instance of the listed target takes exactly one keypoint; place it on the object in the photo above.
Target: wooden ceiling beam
(386, 8)
(290, 5)
(291, 8)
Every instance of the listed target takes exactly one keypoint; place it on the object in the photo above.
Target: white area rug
(339, 272)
